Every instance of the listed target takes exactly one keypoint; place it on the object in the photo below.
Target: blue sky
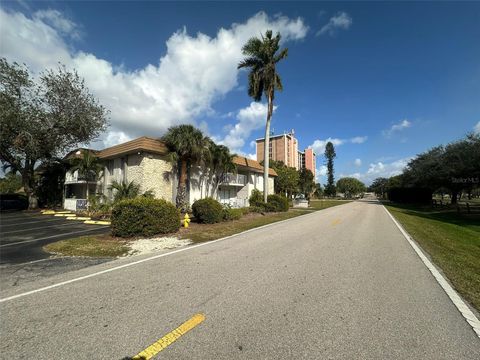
(383, 81)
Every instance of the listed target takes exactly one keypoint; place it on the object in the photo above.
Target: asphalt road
(23, 234)
(342, 283)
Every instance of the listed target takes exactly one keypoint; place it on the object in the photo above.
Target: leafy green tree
(318, 191)
(350, 186)
(11, 183)
(88, 166)
(330, 155)
(286, 182)
(462, 161)
(262, 56)
(379, 186)
(41, 119)
(454, 166)
(188, 145)
(306, 182)
(50, 177)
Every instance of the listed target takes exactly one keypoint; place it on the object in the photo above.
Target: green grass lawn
(92, 246)
(452, 240)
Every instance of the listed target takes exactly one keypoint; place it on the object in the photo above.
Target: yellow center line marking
(170, 338)
(336, 222)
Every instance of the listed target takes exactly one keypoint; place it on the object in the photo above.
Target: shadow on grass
(448, 215)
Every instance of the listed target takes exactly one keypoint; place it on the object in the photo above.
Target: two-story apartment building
(146, 162)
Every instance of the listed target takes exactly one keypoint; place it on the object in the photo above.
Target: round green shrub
(277, 202)
(144, 216)
(256, 198)
(232, 214)
(207, 211)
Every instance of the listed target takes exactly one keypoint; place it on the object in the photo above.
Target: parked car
(13, 202)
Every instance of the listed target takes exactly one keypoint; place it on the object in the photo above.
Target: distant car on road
(13, 202)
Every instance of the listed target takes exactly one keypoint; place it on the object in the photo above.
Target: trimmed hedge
(410, 195)
(278, 202)
(256, 198)
(144, 216)
(208, 211)
(232, 214)
(275, 203)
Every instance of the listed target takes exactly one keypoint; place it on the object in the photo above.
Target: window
(270, 150)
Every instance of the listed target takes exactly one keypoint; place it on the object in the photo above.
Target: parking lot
(22, 236)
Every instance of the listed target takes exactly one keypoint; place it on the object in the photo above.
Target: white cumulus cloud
(251, 118)
(404, 124)
(358, 139)
(476, 128)
(381, 169)
(59, 22)
(358, 162)
(341, 20)
(180, 88)
(319, 145)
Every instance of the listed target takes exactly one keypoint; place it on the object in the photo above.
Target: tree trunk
(454, 197)
(182, 186)
(27, 182)
(87, 193)
(266, 152)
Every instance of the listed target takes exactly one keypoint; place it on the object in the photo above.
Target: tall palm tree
(263, 79)
(220, 162)
(89, 166)
(187, 145)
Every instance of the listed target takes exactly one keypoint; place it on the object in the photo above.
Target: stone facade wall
(155, 172)
(134, 169)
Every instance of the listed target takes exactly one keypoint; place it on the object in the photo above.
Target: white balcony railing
(234, 203)
(234, 179)
(71, 178)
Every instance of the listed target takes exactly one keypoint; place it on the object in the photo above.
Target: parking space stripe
(35, 228)
(53, 236)
(170, 338)
(31, 222)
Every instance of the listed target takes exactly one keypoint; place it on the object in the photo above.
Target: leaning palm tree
(88, 166)
(263, 79)
(187, 145)
(220, 162)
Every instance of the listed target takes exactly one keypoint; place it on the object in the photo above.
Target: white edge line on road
(452, 294)
(49, 237)
(191, 247)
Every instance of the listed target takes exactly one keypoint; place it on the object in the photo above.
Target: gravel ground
(146, 246)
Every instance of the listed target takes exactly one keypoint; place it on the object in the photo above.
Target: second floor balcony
(74, 177)
(234, 179)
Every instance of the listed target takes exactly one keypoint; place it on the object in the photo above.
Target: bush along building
(284, 148)
(146, 162)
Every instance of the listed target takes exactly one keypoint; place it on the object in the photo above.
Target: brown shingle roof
(252, 165)
(143, 143)
(77, 153)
